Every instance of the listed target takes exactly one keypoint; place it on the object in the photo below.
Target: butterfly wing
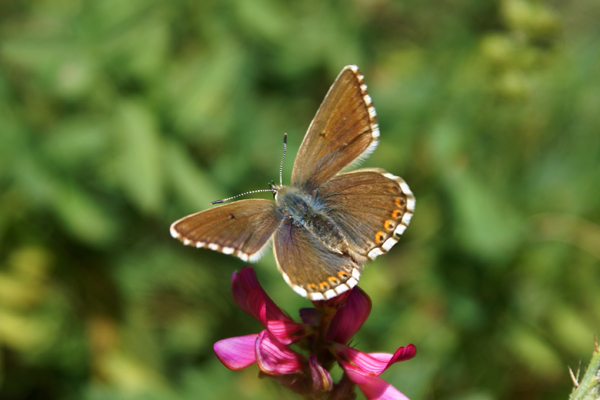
(370, 207)
(242, 228)
(343, 131)
(309, 267)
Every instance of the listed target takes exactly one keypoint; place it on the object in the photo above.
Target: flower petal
(350, 317)
(242, 283)
(320, 377)
(236, 352)
(252, 298)
(374, 363)
(363, 361)
(263, 308)
(274, 358)
(286, 332)
(402, 354)
(373, 387)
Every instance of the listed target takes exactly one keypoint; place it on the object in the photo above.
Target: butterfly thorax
(294, 203)
(308, 212)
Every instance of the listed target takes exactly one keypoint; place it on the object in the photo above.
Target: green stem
(589, 387)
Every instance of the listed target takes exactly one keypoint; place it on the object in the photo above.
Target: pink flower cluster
(323, 334)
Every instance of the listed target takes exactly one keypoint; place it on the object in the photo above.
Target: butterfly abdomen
(327, 232)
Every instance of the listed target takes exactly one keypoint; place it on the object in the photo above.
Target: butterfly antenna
(282, 158)
(261, 190)
(241, 194)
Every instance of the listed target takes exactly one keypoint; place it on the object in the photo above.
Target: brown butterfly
(325, 225)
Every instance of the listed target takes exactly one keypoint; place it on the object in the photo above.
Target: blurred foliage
(119, 117)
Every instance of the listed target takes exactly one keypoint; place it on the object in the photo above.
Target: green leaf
(192, 186)
(139, 166)
(82, 215)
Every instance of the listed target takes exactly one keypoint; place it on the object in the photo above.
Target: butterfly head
(275, 189)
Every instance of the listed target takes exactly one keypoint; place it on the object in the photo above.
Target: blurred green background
(119, 117)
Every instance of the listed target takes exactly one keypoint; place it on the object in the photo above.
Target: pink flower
(364, 369)
(267, 348)
(252, 298)
(236, 352)
(350, 317)
(323, 334)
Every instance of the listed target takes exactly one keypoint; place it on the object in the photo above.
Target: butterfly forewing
(343, 130)
(370, 207)
(242, 228)
(309, 267)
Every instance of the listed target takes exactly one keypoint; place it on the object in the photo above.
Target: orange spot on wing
(400, 202)
(397, 214)
(333, 280)
(389, 225)
(343, 274)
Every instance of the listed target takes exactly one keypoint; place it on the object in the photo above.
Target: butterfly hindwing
(343, 130)
(370, 207)
(312, 269)
(242, 228)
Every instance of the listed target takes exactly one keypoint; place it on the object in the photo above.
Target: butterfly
(325, 225)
